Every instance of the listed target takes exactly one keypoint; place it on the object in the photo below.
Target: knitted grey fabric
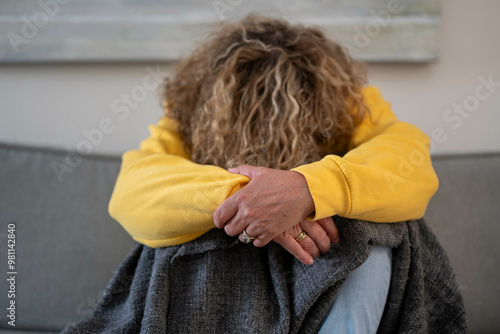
(215, 284)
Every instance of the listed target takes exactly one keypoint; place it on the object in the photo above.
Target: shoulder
(372, 96)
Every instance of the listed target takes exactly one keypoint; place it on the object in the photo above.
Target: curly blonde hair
(265, 92)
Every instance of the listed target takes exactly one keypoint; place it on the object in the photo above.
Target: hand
(319, 235)
(272, 203)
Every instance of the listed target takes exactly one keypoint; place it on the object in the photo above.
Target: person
(270, 131)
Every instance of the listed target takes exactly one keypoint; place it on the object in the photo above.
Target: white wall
(470, 48)
(51, 104)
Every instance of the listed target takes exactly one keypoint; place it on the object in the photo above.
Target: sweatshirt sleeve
(386, 176)
(162, 198)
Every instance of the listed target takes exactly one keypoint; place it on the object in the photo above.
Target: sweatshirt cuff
(329, 188)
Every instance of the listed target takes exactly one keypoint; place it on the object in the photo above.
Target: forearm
(393, 184)
(386, 176)
(164, 199)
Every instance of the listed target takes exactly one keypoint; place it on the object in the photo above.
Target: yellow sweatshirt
(162, 198)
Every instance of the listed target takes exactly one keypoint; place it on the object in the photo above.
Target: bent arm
(386, 176)
(162, 198)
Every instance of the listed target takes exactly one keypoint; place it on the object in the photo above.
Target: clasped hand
(274, 206)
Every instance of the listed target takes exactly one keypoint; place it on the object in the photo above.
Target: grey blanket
(215, 284)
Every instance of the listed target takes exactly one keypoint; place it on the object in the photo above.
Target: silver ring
(246, 238)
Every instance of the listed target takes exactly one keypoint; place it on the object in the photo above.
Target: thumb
(246, 170)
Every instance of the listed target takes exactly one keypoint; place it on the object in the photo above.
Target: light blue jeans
(360, 303)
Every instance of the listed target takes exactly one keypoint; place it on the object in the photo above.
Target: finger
(310, 247)
(234, 226)
(240, 236)
(253, 230)
(317, 233)
(293, 247)
(256, 230)
(225, 211)
(261, 240)
(246, 170)
(331, 230)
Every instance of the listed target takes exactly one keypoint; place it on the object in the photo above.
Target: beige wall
(422, 94)
(51, 104)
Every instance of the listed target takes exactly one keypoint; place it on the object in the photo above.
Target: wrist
(305, 197)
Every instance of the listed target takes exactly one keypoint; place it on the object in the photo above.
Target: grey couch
(67, 246)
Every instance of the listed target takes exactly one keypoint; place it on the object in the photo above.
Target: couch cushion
(465, 216)
(66, 243)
